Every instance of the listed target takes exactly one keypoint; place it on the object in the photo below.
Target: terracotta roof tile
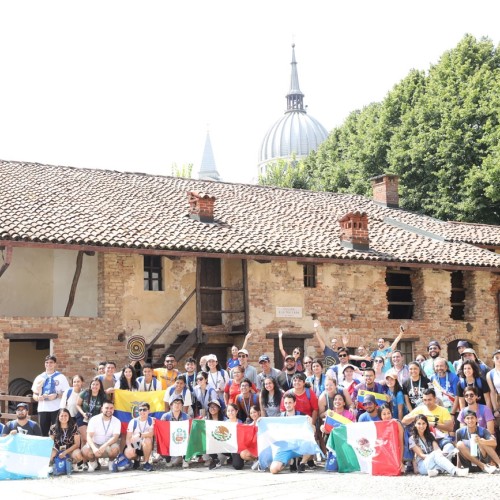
(43, 203)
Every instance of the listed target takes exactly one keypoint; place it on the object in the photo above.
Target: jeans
(435, 460)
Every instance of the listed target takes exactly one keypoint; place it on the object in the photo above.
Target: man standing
(337, 372)
(249, 371)
(147, 382)
(267, 371)
(385, 352)
(103, 432)
(109, 379)
(22, 424)
(47, 389)
(445, 384)
(434, 350)
(306, 399)
(461, 345)
(399, 366)
(330, 353)
(140, 434)
(285, 378)
(168, 375)
(476, 445)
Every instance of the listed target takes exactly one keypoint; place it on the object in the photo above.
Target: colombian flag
(333, 420)
(128, 402)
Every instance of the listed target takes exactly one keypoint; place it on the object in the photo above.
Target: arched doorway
(453, 350)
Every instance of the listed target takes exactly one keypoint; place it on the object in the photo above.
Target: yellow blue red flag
(127, 405)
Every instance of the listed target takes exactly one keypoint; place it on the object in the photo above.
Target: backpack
(12, 424)
(120, 463)
(477, 381)
(49, 386)
(150, 423)
(62, 466)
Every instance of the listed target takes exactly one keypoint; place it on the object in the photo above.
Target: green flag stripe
(197, 444)
(346, 456)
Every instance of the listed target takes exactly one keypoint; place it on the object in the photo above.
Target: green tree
(186, 170)
(288, 174)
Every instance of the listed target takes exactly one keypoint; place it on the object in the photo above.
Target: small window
(152, 273)
(399, 293)
(310, 275)
(457, 295)
(406, 348)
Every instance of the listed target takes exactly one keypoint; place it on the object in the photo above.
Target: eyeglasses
(471, 395)
(143, 409)
(342, 355)
(308, 362)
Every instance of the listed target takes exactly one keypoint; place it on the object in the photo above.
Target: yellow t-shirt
(438, 415)
(166, 377)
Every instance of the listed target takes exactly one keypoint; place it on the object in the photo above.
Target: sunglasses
(342, 355)
(200, 378)
(471, 395)
(308, 362)
(143, 409)
(378, 361)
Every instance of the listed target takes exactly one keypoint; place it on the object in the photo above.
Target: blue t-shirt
(366, 417)
(331, 357)
(382, 353)
(395, 401)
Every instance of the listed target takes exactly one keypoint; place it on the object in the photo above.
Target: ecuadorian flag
(128, 402)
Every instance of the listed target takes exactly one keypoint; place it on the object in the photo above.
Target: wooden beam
(7, 260)
(74, 284)
(30, 336)
(246, 305)
(290, 335)
(199, 332)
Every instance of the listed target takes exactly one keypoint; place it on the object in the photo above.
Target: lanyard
(106, 429)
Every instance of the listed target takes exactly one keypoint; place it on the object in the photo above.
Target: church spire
(294, 98)
(208, 169)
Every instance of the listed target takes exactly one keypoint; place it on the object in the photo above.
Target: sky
(134, 85)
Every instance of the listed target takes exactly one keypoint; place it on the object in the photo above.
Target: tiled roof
(64, 205)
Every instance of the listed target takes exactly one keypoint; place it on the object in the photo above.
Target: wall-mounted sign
(289, 312)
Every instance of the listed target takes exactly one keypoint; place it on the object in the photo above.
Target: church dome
(295, 133)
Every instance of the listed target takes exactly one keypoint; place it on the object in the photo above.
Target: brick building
(89, 258)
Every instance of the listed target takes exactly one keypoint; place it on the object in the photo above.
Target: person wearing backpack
(22, 423)
(140, 433)
(48, 387)
(306, 399)
(469, 376)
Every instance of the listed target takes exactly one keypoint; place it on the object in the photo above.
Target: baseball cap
(468, 412)
(434, 342)
(214, 402)
(495, 353)
(469, 351)
(211, 357)
(289, 357)
(391, 374)
(264, 357)
(348, 366)
(22, 405)
(369, 398)
(463, 343)
(243, 351)
(177, 398)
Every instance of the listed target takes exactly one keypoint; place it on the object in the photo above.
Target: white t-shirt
(70, 403)
(103, 430)
(170, 394)
(140, 427)
(42, 385)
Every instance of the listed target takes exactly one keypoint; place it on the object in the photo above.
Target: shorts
(285, 456)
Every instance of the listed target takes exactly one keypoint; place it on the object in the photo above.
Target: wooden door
(211, 300)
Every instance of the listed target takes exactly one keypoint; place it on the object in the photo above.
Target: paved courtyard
(227, 483)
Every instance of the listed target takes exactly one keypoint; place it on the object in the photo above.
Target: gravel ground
(198, 482)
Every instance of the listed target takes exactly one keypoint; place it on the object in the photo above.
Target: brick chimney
(354, 231)
(201, 206)
(385, 190)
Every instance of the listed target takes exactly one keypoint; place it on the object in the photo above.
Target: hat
(468, 413)
(211, 357)
(391, 374)
(264, 357)
(289, 357)
(348, 366)
(495, 353)
(177, 398)
(214, 402)
(469, 351)
(434, 342)
(369, 398)
(463, 343)
(22, 405)
(243, 351)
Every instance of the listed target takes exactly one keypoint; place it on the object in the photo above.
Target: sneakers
(214, 464)
(176, 461)
(462, 472)
(293, 465)
(434, 472)
(301, 467)
(185, 465)
(93, 466)
(168, 465)
(255, 465)
(489, 469)
(136, 465)
(80, 468)
(147, 467)
(311, 464)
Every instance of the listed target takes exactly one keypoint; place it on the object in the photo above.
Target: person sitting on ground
(103, 433)
(179, 389)
(283, 458)
(429, 457)
(22, 424)
(147, 381)
(270, 398)
(139, 440)
(89, 405)
(476, 446)
(296, 353)
(70, 397)
(469, 375)
(238, 459)
(215, 412)
(66, 439)
(176, 414)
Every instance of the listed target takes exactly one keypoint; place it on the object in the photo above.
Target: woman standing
(270, 398)
(429, 457)
(70, 397)
(203, 395)
(88, 405)
(414, 387)
(215, 413)
(217, 377)
(493, 379)
(299, 366)
(395, 393)
(308, 361)
(470, 376)
(66, 439)
(378, 366)
(128, 379)
(318, 378)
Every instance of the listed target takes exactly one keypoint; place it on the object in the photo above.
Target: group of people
(448, 413)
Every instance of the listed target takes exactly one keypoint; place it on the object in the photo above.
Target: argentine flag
(277, 434)
(24, 456)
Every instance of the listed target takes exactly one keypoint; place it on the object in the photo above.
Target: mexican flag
(213, 436)
(172, 437)
(370, 447)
